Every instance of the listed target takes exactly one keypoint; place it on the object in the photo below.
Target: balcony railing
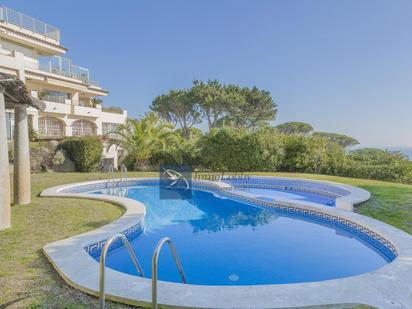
(64, 66)
(53, 98)
(28, 23)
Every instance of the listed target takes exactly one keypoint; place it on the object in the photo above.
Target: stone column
(22, 184)
(5, 210)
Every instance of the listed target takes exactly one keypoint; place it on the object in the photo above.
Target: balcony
(86, 111)
(28, 23)
(53, 98)
(63, 66)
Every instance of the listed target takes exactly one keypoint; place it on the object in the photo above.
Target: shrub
(85, 152)
(58, 158)
(230, 149)
(379, 164)
(33, 135)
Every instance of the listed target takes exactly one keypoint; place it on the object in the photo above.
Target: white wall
(27, 52)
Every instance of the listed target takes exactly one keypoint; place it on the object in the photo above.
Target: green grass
(27, 279)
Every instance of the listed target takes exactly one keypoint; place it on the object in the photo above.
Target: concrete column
(36, 121)
(22, 184)
(75, 98)
(5, 210)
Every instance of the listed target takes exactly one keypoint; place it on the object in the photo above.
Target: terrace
(64, 66)
(10, 16)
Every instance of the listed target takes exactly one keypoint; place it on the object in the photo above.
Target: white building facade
(31, 51)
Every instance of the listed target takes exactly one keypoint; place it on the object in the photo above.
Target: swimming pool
(221, 241)
(387, 286)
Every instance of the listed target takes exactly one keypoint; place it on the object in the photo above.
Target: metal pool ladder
(106, 247)
(155, 260)
(111, 182)
(123, 177)
(113, 185)
(139, 269)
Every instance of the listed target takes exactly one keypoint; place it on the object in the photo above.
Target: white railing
(5, 52)
(28, 23)
(53, 98)
(65, 67)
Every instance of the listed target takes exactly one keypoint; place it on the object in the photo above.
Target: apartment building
(31, 50)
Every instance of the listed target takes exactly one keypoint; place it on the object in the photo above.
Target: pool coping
(386, 287)
(348, 202)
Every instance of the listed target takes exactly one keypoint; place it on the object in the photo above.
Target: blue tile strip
(368, 236)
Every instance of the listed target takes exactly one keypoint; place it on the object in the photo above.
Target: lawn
(27, 280)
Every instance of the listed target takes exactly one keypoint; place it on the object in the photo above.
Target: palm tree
(145, 137)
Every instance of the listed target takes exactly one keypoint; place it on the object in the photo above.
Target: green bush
(313, 154)
(85, 152)
(379, 164)
(231, 149)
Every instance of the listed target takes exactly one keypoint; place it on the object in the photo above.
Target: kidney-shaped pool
(221, 241)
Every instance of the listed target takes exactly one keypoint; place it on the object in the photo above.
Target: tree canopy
(291, 128)
(178, 107)
(145, 137)
(218, 104)
(341, 139)
(250, 108)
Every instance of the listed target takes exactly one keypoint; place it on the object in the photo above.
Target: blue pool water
(224, 242)
(277, 193)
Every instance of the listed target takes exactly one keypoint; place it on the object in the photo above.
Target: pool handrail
(124, 179)
(155, 260)
(103, 254)
(111, 178)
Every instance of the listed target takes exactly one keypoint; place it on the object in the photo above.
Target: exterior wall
(19, 54)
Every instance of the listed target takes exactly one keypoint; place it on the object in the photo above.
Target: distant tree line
(152, 140)
(303, 128)
(240, 137)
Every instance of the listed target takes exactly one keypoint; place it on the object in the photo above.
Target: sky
(342, 66)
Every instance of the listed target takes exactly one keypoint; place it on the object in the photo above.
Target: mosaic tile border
(370, 237)
(131, 233)
(288, 188)
(311, 186)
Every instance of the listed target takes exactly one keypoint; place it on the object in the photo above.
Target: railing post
(102, 281)
(155, 260)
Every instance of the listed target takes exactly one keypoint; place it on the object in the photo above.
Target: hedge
(85, 152)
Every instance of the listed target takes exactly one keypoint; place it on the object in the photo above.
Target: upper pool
(276, 189)
(221, 241)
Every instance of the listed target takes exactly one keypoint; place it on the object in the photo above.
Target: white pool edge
(387, 287)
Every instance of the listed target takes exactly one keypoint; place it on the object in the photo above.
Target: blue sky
(343, 66)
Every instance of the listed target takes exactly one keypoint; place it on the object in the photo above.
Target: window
(50, 127)
(83, 128)
(10, 125)
(108, 128)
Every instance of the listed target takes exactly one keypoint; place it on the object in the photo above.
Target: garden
(239, 138)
